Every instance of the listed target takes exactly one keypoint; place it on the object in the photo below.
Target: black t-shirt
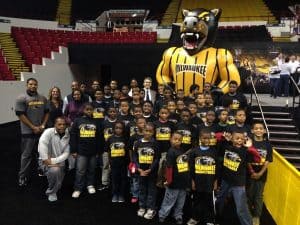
(85, 136)
(125, 118)
(265, 151)
(117, 149)
(99, 109)
(163, 132)
(107, 130)
(150, 118)
(196, 121)
(235, 165)
(189, 135)
(174, 118)
(131, 128)
(221, 127)
(245, 129)
(234, 102)
(204, 168)
(146, 155)
(178, 160)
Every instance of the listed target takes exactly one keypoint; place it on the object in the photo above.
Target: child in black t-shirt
(173, 117)
(236, 157)
(258, 171)
(108, 125)
(210, 125)
(187, 130)
(145, 156)
(163, 131)
(148, 111)
(131, 127)
(124, 114)
(203, 170)
(85, 140)
(117, 151)
(177, 174)
(134, 182)
(195, 120)
(240, 125)
(99, 105)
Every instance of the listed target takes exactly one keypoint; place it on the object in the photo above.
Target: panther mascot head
(198, 29)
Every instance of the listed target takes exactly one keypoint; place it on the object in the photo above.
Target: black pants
(118, 178)
(203, 207)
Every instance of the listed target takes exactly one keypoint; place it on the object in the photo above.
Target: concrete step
(285, 141)
(282, 127)
(273, 114)
(281, 148)
(270, 119)
(292, 157)
(284, 133)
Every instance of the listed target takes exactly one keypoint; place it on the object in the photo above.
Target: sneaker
(149, 215)
(255, 220)
(141, 212)
(115, 199)
(161, 220)
(76, 194)
(121, 199)
(52, 197)
(41, 173)
(22, 181)
(179, 221)
(91, 189)
(102, 187)
(134, 200)
(192, 222)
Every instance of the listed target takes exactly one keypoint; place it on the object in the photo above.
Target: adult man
(33, 112)
(150, 95)
(54, 149)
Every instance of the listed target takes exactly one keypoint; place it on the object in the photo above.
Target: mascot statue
(196, 62)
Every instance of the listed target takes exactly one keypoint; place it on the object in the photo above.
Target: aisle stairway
(12, 55)
(63, 14)
(284, 135)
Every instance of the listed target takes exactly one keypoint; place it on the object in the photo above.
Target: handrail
(295, 88)
(259, 105)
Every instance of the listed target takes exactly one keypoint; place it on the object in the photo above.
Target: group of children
(188, 147)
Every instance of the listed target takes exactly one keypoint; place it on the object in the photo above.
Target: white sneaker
(192, 222)
(255, 220)
(91, 189)
(150, 214)
(52, 197)
(141, 212)
(76, 194)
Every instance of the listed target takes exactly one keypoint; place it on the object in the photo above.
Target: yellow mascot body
(197, 62)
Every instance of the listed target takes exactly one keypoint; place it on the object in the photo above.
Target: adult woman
(74, 107)
(55, 103)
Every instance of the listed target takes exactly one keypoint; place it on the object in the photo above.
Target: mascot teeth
(197, 36)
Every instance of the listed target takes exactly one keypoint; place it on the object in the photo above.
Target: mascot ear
(217, 13)
(185, 12)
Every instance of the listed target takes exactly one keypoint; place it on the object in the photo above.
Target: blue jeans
(255, 196)
(274, 83)
(284, 83)
(174, 198)
(240, 199)
(147, 195)
(134, 185)
(85, 171)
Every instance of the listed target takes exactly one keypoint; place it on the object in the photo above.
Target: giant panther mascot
(197, 62)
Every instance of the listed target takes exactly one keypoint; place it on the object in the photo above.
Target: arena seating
(232, 10)
(5, 73)
(29, 9)
(37, 43)
(82, 10)
(245, 33)
(279, 8)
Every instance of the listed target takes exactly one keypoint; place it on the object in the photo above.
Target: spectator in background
(55, 105)
(133, 84)
(68, 98)
(113, 86)
(107, 95)
(285, 72)
(54, 150)
(150, 95)
(274, 81)
(94, 87)
(33, 112)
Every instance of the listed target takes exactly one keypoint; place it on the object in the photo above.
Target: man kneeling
(54, 150)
